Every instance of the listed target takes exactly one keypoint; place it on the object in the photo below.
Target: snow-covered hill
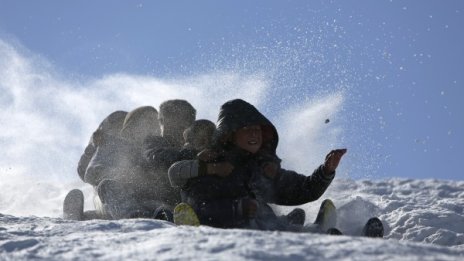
(424, 220)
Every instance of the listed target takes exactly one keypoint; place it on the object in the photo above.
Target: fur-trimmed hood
(236, 114)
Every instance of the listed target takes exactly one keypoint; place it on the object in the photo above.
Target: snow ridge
(424, 220)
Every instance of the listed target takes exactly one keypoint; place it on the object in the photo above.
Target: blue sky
(397, 64)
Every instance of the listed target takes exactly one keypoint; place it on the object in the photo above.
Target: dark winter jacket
(120, 160)
(116, 147)
(159, 155)
(217, 200)
(137, 188)
(117, 159)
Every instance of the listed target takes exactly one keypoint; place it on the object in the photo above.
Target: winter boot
(373, 228)
(115, 199)
(163, 213)
(73, 205)
(296, 217)
(327, 216)
(185, 215)
(334, 231)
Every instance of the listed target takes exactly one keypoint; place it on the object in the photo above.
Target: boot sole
(73, 205)
(185, 215)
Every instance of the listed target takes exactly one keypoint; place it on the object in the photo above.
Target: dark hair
(199, 127)
(177, 109)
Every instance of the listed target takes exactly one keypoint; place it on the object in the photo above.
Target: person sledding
(106, 133)
(231, 184)
(112, 163)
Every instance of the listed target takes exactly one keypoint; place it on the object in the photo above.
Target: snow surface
(424, 220)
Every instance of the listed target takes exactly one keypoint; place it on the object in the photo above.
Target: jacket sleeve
(158, 153)
(296, 189)
(85, 159)
(180, 172)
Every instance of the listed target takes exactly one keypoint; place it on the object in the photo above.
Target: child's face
(249, 138)
(201, 142)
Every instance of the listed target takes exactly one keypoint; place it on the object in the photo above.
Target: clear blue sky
(401, 63)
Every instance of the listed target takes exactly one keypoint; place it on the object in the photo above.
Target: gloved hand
(332, 160)
(186, 153)
(270, 164)
(249, 207)
(270, 169)
(207, 155)
(221, 169)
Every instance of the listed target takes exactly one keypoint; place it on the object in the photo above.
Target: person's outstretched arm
(296, 189)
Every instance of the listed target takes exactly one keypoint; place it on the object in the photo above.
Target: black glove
(249, 207)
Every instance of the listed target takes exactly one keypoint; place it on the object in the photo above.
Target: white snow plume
(47, 119)
(304, 124)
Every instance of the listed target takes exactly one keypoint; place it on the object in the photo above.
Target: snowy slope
(424, 220)
(36, 238)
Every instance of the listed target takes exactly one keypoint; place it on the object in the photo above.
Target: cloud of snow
(308, 132)
(47, 118)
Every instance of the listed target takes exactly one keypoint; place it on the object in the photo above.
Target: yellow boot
(185, 215)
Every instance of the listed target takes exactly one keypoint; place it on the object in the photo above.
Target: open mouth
(252, 142)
